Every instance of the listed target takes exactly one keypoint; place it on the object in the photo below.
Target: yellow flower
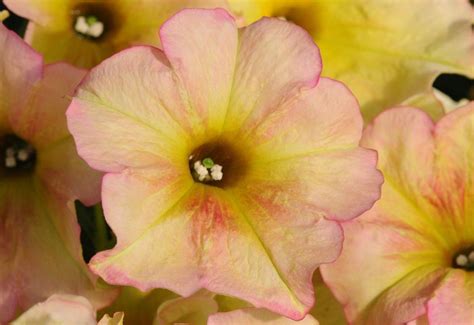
(84, 32)
(385, 51)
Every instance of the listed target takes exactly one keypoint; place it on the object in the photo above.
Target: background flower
(385, 51)
(256, 316)
(40, 177)
(59, 310)
(413, 250)
(84, 32)
(251, 100)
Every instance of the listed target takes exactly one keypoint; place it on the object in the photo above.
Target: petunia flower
(385, 51)
(195, 309)
(59, 310)
(84, 32)
(40, 177)
(139, 307)
(65, 310)
(203, 308)
(246, 103)
(412, 254)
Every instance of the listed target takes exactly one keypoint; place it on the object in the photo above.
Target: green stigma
(91, 20)
(207, 162)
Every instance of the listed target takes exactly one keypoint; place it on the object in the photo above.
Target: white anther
(216, 172)
(82, 26)
(471, 257)
(10, 152)
(217, 175)
(23, 155)
(10, 162)
(462, 260)
(202, 171)
(96, 29)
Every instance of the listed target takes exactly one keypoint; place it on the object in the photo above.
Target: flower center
(300, 15)
(89, 26)
(207, 171)
(464, 259)
(217, 164)
(16, 155)
(94, 20)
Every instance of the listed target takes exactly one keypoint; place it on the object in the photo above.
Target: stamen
(89, 26)
(464, 259)
(471, 257)
(16, 154)
(216, 172)
(207, 171)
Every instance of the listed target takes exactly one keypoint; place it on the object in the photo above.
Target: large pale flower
(40, 177)
(385, 51)
(413, 253)
(84, 32)
(229, 161)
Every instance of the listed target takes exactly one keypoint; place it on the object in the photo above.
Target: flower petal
(133, 200)
(260, 85)
(138, 307)
(52, 13)
(62, 43)
(382, 58)
(323, 119)
(58, 164)
(385, 59)
(59, 310)
(46, 106)
(51, 28)
(206, 241)
(455, 154)
(20, 69)
(398, 289)
(39, 233)
(256, 316)
(315, 182)
(202, 48)
(405, 242)
(453, 302)
(66, 175)
(110, 125)
(116, 319)
(191, 310)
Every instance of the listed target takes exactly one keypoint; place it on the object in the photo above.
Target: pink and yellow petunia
(65, 310)
(40, 177)
(412, 254)
(84, 32)
(59, 310)
(385, 51)
(229, 162)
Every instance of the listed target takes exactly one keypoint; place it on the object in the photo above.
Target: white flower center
(89, 26)
(15, 157)
(465, 260)
(206, 170)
